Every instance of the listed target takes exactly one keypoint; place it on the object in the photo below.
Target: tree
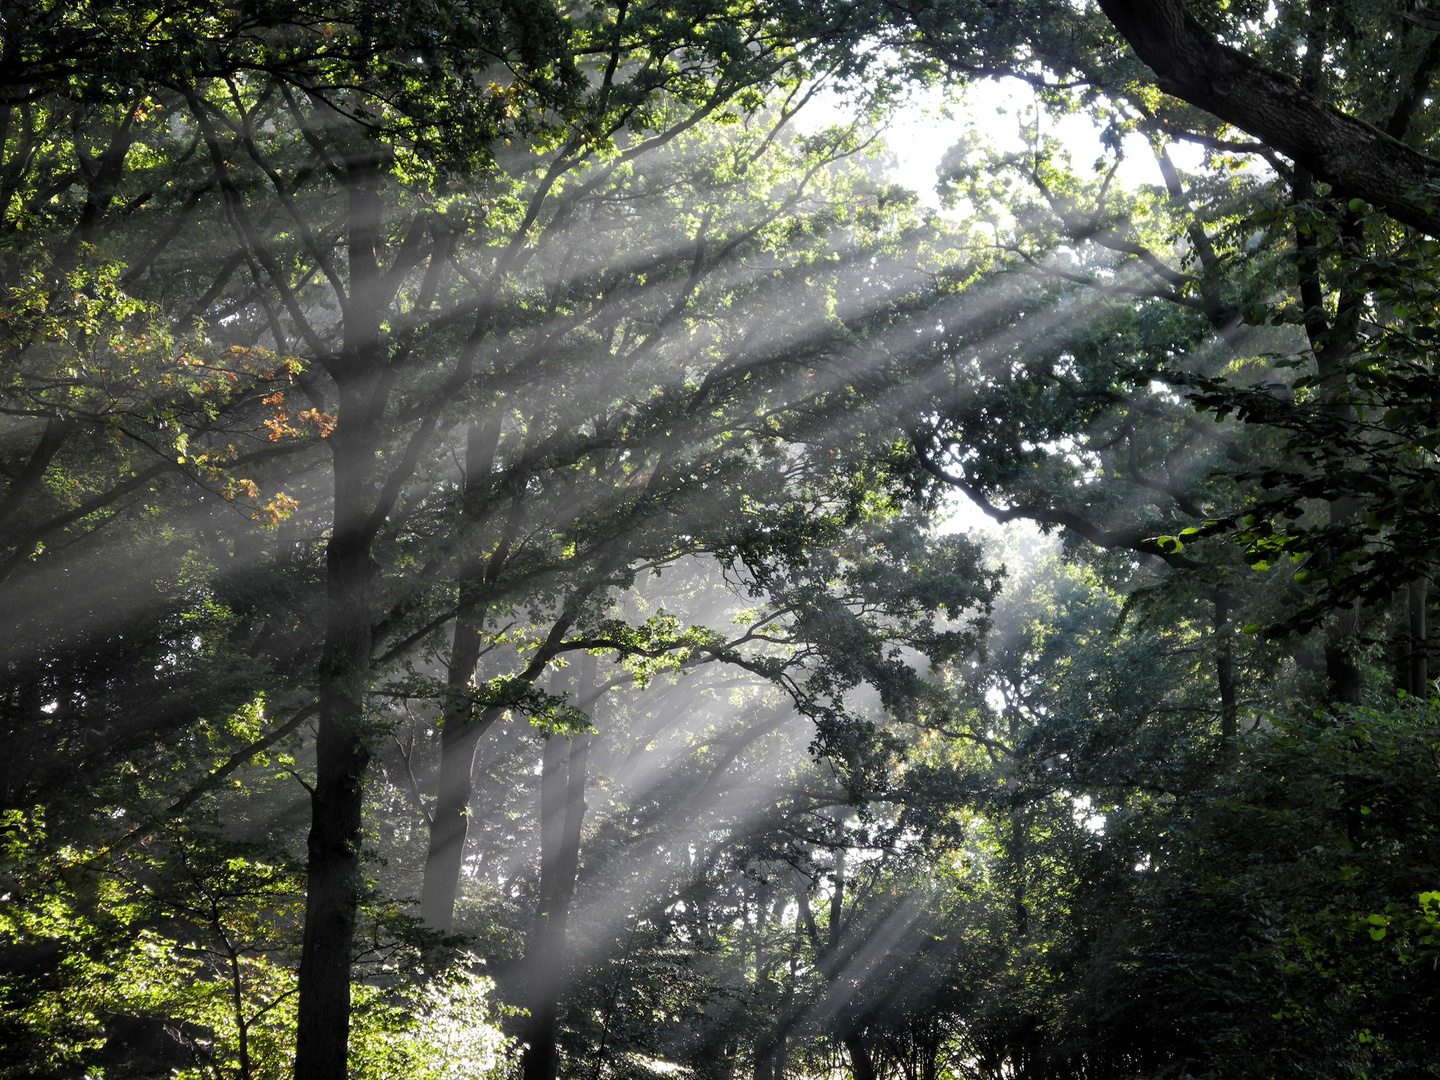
(466, 318)
(289, 113)
(383, 318)
(1325, 446)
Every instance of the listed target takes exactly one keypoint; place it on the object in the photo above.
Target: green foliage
(610, 354)
(181, 954)
(1376, 451)
(121, 947)
(445, 1030)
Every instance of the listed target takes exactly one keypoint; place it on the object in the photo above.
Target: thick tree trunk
(450, 825)
(577, 770)
(333, 884)
(862, 1066)
(543, 953)
(771, 1048)
(333, 881)
(52, 438)
(1341, 670)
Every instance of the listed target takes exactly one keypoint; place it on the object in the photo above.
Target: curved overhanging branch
(1048, 515)
(1342, 150)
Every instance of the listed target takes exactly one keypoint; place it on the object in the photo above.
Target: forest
(481, 595)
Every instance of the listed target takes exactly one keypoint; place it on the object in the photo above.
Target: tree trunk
(1333, 342)
(1225, 678)
(450, 826)
(862, 1067)
(1418, 666)
(1017, 859)
(333, 880)
(930, 1062)
(460, 731)
(562, 816)
(769, 1046)
(770, 1057)
(1341, 669)
(444, 859)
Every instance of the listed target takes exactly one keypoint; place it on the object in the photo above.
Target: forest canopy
(477, 589)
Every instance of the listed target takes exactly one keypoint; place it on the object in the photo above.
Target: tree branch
(1337, 148)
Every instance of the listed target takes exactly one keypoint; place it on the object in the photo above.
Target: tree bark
(450, 827)
(1333, 342)
(52, 438)
(769, 1049)
(930, 1062)
(1225, 677)
(333, 880)
(460, 731)
(1418, 665)
(1351, 155)
(862, 1066)
(770, 1056)
(562, 817)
